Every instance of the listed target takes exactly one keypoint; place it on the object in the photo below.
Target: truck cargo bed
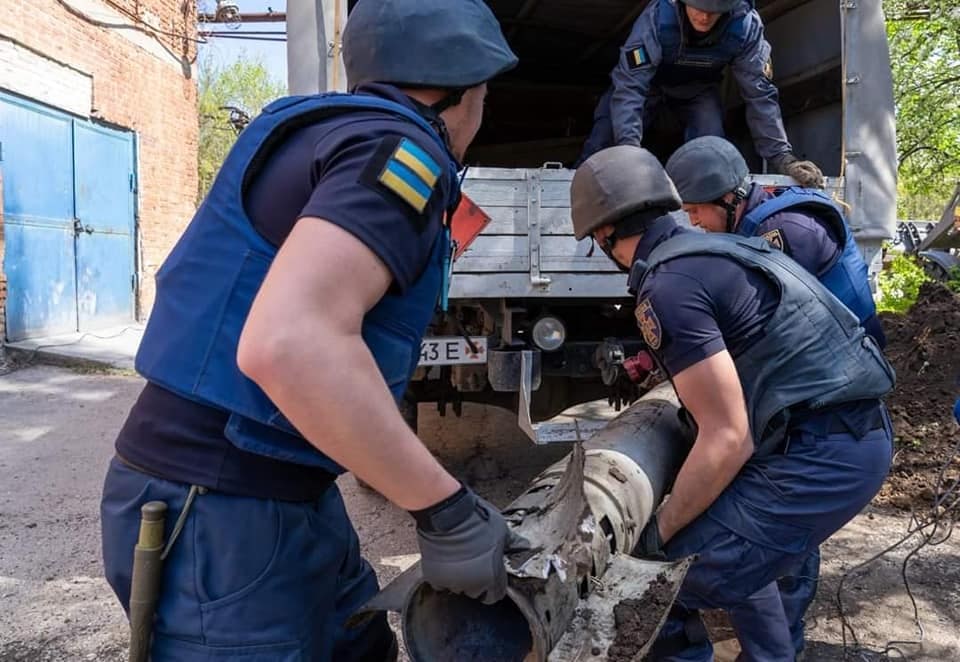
(528, 250)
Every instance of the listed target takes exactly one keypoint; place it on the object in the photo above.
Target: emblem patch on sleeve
(776, 239)
(410, 173)
(637, 57)
(649, 324)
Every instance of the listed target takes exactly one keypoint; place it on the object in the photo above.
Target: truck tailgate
(528, 249)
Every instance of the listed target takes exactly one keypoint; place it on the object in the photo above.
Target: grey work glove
(807, 174)
(462, 542)
(650, 545)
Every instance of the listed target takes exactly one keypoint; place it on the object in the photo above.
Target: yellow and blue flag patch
(411, 173)
(637, 57)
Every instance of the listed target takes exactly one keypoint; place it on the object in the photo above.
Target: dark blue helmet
(706, 169)
(450, 44)
(714, 6)
(616, 182)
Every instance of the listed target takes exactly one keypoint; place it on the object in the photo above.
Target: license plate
(452, 350)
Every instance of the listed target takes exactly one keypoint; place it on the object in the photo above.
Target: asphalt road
(56, 434)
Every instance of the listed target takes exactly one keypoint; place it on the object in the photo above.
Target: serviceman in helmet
(674, 60)
(711, 177)
(781, 381)
(287, 322)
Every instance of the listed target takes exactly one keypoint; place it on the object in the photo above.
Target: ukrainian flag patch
(410, 173)
(638, 57)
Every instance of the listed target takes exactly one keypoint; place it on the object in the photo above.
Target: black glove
(807, 174)
(462, 542)
(650, 545)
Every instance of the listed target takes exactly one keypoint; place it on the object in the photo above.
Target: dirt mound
(924, 347)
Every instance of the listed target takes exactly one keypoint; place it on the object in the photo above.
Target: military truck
(537, 320)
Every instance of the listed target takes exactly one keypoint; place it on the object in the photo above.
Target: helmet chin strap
(431, 112)
(739, 195)
(635, 224)
(454, 97)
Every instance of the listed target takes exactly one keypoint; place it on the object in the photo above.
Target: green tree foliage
(953, 281)
(924, 38)
(899, 284)
(244, 84)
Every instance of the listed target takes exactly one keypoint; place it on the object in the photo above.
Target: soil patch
(637, 620)
(924, 347)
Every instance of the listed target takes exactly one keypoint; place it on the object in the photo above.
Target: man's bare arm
(302, 345)
(711, 392)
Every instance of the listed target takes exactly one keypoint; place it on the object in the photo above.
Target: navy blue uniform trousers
(248, 580)
(701, 115)
(767, 524)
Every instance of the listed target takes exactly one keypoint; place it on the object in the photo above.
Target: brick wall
(137, 85)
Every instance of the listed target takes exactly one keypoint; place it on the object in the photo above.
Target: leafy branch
(924, 38)
(228, 94)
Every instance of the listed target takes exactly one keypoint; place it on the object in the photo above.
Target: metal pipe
(583, 515)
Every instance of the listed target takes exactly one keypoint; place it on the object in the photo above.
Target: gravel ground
(56, 440)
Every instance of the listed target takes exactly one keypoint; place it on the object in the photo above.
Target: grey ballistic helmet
(616, 182)
(713, 6)
(706, 169)
(448, 44)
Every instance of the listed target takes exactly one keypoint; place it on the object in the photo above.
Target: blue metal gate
(104, 199)
(68, 200)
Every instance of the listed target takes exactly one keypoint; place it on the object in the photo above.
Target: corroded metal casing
(583, 515)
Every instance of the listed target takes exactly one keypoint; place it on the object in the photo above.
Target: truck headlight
(549, 333)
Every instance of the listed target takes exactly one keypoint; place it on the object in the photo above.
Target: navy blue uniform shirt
(322, 170)
(807, 239)
(323, 173)
(635, 76)
(706, 304)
